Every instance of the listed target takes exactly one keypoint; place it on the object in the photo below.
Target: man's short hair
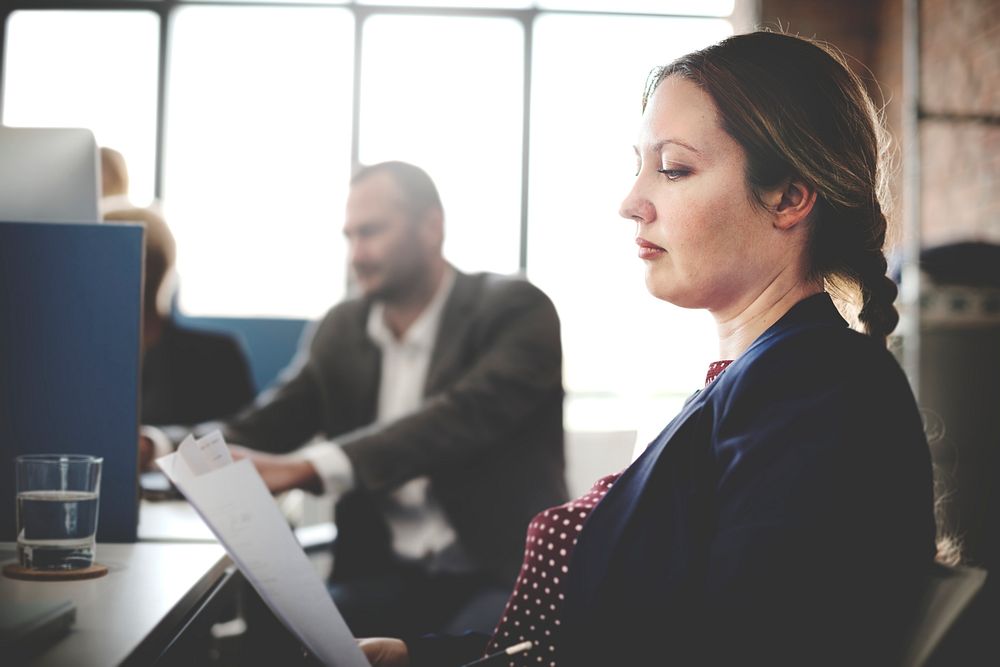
(419, 192)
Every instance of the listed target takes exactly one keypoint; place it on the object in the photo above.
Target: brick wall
(960, 96)
(960, 135)
(859, 29)
(851, 25)
(960, 200)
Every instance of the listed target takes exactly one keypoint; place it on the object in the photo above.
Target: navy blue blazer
(782, 517)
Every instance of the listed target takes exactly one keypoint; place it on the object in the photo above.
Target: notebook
(27, 627)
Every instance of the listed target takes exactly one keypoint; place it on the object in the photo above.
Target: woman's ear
(792, 203)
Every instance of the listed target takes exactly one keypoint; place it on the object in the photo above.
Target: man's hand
(146, 453)
(385, 652)
(280, 473)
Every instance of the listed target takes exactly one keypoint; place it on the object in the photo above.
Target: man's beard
(389, 287)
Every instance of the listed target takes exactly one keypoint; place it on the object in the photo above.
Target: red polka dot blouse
(533, 610)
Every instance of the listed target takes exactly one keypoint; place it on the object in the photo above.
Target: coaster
(15, 571)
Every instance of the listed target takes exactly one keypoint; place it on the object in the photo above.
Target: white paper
(236, 505)
(205, 454)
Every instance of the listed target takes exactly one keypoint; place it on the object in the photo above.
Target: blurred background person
(188, 375)
(115, 183)
(432, 407)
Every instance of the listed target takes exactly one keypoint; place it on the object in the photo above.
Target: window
(258, 132)
(682, 7)
(515, 4)
(261, 130)
(588, 78)
(92, 69)
(446, 93)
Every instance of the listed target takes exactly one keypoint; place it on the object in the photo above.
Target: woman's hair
(160, 253)
(799, 111)
(114, 173)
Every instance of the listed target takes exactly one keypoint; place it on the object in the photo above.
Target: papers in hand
(234, 502)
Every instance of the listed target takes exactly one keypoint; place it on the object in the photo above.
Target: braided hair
(799, 111)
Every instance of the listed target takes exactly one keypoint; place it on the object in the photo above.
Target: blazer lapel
(362, 361)
(597, 544)
(451, 329)
(604, 527)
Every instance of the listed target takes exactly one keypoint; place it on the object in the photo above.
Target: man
(437, 397)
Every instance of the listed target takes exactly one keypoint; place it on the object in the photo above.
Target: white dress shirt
(419, 526)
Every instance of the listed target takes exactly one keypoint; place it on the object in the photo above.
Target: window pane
(686, 7)
(269, 2)
(446, 93)
(504, 4)
(92, 69)
(258, 157)
(588, 79)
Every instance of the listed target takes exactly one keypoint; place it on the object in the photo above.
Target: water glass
(57, 502)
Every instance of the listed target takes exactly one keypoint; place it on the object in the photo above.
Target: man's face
(386, 247)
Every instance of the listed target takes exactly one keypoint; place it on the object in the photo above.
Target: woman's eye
(674, 174)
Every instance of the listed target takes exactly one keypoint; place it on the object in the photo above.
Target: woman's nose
(637, 207)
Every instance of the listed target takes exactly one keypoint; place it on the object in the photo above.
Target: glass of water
(57, 498)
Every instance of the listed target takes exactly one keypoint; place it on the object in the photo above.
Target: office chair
(947, 593)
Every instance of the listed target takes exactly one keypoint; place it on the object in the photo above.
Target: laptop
(49, 174)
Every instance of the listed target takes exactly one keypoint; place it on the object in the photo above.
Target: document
(234, 502)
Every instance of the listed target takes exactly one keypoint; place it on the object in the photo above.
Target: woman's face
(704, 241)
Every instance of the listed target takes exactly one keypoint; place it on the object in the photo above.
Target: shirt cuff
(332, 465)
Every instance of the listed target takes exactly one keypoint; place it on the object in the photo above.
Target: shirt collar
(423, 331)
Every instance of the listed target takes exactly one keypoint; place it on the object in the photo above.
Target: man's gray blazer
(489, 434)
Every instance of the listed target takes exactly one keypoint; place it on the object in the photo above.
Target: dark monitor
(70, 299)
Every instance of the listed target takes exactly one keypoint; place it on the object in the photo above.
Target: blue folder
(70, 305)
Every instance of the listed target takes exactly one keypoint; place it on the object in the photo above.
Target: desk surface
(148, 591)
(172, 521)
(151, 587)
(177, 521)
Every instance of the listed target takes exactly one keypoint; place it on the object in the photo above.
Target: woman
(784, 515)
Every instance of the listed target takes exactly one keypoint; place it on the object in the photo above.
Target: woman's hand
(385, 652)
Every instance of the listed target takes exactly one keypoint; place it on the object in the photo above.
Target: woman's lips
(648, 250)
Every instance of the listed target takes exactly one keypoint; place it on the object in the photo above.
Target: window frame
(620, 410)
(744, 13)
